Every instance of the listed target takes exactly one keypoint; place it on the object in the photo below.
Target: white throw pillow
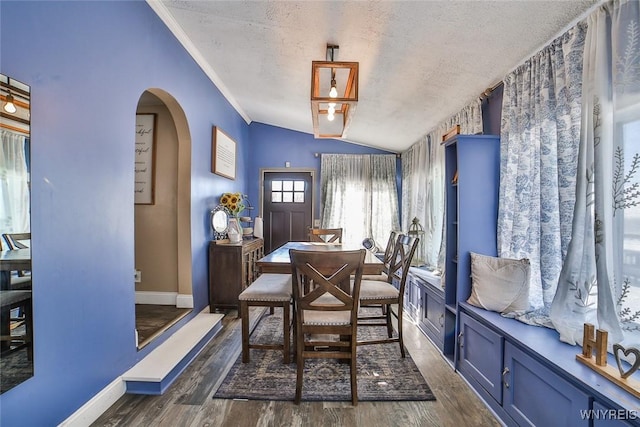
(499, 284)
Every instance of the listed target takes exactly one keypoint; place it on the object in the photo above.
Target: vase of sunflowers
(234, 203)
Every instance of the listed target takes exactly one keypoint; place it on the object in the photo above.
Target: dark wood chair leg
(389, 322)
(300, 366)
(400, 340)
(286, 339)
(354, 371)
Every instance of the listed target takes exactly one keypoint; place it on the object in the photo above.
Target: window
(287, 191)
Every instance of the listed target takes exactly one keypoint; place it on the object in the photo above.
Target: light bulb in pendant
(9, 106)
(333, 92)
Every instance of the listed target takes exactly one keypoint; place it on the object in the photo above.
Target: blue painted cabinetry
(529, 378)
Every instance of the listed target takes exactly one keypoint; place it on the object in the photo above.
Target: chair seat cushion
(380, 277)
(327, 318)
(375, 289)
(268, 287)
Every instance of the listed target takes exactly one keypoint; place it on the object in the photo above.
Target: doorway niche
(162, 228)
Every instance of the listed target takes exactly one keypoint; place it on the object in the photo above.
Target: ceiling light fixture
(9, 106)
(334, 93)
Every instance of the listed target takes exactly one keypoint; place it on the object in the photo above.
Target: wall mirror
(219, 222)
(16, 338)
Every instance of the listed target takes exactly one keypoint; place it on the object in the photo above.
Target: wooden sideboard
(232, 267)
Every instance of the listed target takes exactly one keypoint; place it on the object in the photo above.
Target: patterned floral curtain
(359, 195)
(423, 182)
(600, 279)
(540, 131)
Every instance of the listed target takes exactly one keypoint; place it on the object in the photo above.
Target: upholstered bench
(268, 290)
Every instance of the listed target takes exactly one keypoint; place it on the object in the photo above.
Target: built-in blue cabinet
(529, 378)
(533, 395)
(480, 356)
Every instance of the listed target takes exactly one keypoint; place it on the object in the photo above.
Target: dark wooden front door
(287, 207)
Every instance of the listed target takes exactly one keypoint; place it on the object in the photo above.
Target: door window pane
(298, 197)
(276, 197)
(276, 185)
(287, 197)
(287, 185)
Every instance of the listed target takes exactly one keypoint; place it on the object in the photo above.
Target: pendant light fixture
(334, 95)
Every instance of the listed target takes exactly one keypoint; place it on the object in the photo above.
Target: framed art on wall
(144, 159)
(223, 154)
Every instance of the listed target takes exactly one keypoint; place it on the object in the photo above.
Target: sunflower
(233, 202)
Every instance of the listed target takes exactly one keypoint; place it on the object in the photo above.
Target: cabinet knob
(505, 371)
(441, 319)
(461, 339)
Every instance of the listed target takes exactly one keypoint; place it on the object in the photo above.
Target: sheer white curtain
(359, 195)
(600, 282)
(539, 146)
(14, 185)
(423, 188)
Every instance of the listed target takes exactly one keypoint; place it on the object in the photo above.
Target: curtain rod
(398, 155)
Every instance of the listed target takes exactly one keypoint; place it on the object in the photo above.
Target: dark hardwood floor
(152, 320)
(188, 402)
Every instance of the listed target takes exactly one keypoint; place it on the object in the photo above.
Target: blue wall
(272, 146)
(87, 64)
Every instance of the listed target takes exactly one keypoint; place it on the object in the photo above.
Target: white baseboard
(90, 411)
(184, 301)
(164, 298)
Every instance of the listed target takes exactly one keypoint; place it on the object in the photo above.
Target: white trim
(157, 365)
(156, 298)
(163, 13)
(184, 301)
(91, 411)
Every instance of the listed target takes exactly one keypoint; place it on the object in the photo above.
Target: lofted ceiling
(420, 61)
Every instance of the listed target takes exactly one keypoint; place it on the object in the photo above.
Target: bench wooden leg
(244, 314)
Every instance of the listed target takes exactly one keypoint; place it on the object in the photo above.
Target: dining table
(278, 261)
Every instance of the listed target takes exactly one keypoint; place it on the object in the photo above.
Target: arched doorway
(162, 222)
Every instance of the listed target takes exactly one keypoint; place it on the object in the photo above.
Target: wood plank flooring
(152, 320)
(188, 402)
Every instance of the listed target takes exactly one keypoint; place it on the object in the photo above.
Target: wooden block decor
(598, 343)
(451, 132)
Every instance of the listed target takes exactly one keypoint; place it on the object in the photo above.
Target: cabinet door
(413, 298)
(432, 319)
(480, 353)
(533, 395)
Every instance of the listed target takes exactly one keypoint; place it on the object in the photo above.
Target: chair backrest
(17, 240)
(326, 235)
(400, 260)
(331, 275)
(388, 252)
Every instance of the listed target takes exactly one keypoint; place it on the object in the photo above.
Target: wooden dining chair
(325, 235)
(378, 293)
(17, 240)
(328, 310)
(386, 259)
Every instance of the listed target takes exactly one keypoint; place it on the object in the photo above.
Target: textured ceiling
(420, 61)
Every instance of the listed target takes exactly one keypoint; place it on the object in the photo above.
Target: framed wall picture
(223, 154)
(145, 159)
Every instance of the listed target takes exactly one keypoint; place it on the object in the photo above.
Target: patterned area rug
(382, 373)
